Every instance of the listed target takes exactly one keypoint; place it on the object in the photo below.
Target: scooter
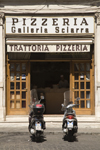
(36, 120)
(70, 125)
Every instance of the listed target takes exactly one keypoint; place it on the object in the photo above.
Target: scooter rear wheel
(70, 135)
(38, 137)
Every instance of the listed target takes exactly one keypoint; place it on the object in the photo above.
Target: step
(51, 118)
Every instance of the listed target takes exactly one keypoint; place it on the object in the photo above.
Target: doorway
(45, 77)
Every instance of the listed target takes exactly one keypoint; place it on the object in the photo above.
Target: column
(2, 69)
(97, 66)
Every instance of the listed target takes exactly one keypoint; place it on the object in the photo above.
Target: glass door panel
(82, 84)
(18, 83)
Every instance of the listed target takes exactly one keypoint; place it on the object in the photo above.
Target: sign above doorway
(50, 25)
(48, 48)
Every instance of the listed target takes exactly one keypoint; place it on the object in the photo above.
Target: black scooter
(36, 120)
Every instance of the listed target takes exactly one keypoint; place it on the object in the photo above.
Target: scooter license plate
(38, 126)
(70, 124)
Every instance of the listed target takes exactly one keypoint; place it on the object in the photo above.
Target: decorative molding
(1, 84)
(98, 18)
(98, 85)
(1, 19)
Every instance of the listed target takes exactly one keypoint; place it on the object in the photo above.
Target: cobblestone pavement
(51, 141)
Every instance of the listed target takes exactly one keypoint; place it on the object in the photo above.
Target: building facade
(40, 42)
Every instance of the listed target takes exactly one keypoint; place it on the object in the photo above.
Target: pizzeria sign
(50, 25)
(48, 48)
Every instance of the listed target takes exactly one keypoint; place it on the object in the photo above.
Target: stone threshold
(51, 118)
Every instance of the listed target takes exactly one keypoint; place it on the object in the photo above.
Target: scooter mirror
(62, 105)
(31, 106)
(77, 99)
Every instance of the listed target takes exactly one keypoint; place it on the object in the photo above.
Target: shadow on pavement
(41, 139)
(72, 139)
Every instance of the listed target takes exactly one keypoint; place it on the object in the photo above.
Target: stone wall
(49, 6)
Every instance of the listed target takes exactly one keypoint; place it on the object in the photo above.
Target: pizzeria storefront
(41, 49)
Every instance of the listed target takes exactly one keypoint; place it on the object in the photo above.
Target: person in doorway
(34, 95)
(34, 98)
(63, 83)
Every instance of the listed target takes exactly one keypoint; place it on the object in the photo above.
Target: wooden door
(82, 85)
(18, 88)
